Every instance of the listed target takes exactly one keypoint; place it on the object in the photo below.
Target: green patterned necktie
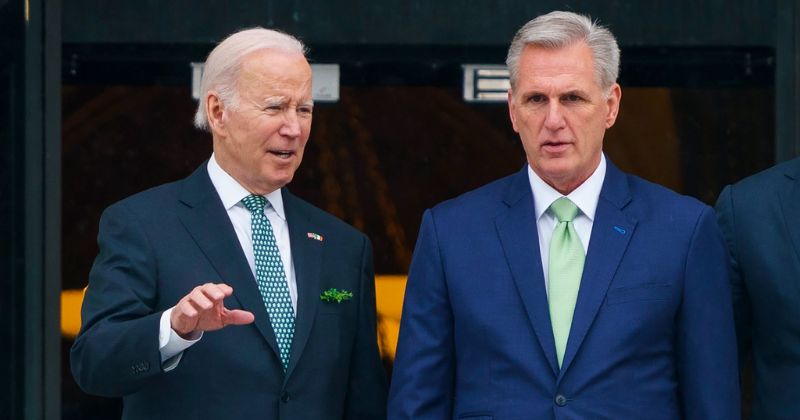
(270, 277)
(564, 273)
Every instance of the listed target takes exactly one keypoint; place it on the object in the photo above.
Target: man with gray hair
(569, 290)
(224, 296)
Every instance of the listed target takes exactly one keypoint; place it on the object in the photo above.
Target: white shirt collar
(232, 193)
(585, 196)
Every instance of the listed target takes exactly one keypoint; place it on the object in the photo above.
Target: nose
(291, 124)
(555, 116)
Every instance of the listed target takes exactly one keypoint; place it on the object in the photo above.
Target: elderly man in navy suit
(569, 290)
(208, 297)
(760, 217)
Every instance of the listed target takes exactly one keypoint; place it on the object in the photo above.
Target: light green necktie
(564, 273)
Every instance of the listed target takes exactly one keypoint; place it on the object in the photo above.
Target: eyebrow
(576, 92)
(279, 100)
(273, 100)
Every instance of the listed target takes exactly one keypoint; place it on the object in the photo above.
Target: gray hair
(222, 66)
(562, 29)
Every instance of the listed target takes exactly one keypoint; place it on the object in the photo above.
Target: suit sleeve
(116, 351)
(706, 342)
(366, 392)
(741, 304)
(423, 373)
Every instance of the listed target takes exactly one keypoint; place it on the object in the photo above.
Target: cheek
(530, 122)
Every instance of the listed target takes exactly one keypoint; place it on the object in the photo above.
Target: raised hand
(203, 310)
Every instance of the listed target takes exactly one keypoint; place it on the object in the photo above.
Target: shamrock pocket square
(336, 295)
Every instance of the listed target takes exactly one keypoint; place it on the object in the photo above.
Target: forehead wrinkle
(259, 77)
(574, 62)
(553, 88)
(262, 88)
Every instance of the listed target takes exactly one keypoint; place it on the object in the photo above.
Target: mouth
(281, 154)
(555, 145)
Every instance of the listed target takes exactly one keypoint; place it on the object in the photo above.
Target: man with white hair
(224, 296)
(569, 290)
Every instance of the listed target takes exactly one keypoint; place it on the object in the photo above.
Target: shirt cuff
(170, 344)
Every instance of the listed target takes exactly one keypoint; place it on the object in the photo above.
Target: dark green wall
(441, 22)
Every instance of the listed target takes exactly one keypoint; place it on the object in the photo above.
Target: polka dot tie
(270, 276)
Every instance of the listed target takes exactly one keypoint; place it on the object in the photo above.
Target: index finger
(224, 288)
(215, 292)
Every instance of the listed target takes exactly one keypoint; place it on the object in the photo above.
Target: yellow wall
(389, 290)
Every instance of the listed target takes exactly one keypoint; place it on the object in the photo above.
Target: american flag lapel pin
(314, 236)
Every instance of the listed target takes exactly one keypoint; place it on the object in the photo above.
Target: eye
(537, 98)
(274, 107)
(571, 98)
(305, 110)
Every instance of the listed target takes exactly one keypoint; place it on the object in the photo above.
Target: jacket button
(561, 400)
(285, 396)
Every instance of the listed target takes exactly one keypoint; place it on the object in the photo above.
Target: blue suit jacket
(652, 335)
(760, 217)
(157, 245)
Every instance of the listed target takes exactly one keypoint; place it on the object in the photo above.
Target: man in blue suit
(760, 219)
(213, 297)
(568, 290)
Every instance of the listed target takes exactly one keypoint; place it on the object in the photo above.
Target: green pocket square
(335, 295)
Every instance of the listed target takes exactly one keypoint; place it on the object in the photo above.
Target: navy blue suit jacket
(157, 246)
(652, 335)
(760, 218)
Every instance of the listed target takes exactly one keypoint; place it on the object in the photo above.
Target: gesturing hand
(203, 310)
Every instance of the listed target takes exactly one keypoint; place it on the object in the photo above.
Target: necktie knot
(564, 209)
(255, 203)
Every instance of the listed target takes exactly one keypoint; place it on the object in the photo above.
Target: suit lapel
(612, 230)
(520, 240)
(790, 204)
(207, 221)
(307, 258)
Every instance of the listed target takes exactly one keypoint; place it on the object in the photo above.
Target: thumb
(238, 317)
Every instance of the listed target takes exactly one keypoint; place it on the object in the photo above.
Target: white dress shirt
(585, 197)
(171, 345)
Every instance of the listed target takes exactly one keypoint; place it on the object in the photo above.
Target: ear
(511, 110)
(215, 112)
(614, 97)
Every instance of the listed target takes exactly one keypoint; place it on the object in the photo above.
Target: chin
(280, 181)
(558, 167)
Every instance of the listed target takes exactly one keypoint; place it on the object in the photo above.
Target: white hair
(222, 66)
(562, 29)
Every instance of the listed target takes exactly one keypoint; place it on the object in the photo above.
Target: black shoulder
(155, 199)
(768, 179)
